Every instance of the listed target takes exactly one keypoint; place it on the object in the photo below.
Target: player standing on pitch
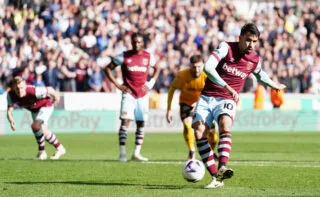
(39, 101)
(190, 82)
(227, 69)
(135, 66)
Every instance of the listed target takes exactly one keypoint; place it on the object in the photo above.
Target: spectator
(96, 79)
(276, 96)
(175, 30)
(68, 71)
(38, 81)
(50, 75)
(82, 75)
(259, 97)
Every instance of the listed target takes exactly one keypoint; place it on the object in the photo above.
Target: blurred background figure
(259, 95)
(276, 96)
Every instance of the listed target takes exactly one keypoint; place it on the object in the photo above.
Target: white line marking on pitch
(252, 163)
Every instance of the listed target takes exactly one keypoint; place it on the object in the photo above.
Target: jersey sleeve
(221, 51)
(41, 92)
(176, 84)
(258, 68)
(210, 66)
(118, 60)
(211, 72)
(263, 77)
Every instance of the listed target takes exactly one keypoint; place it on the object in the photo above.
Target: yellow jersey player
(190, 82)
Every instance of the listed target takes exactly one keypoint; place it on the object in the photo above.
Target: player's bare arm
(169, 116)
(149, 84)
(111, 77)
(10, 118)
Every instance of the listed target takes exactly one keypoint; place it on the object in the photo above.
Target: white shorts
(43, 114)
(134, 108)
(209, 109)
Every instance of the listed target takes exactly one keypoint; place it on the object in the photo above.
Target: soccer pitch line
(293, 164)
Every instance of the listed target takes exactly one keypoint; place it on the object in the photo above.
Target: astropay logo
(234, 71)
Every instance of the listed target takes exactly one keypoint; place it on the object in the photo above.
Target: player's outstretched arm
(10, 118)
(265, 79)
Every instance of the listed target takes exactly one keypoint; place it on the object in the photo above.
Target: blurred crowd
(67, 43)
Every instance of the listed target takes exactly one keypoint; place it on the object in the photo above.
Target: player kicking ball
(227, 69)
(39, 101)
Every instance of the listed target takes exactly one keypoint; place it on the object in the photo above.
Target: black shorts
(186, 111)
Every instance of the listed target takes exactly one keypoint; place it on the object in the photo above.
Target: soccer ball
(193, 170)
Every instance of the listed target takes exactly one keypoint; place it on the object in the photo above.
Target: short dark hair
(137, 34)
(250, 27)
(195, 58)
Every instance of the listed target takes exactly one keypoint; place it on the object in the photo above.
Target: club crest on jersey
(145, 61)
(129, 60)
(249, 65)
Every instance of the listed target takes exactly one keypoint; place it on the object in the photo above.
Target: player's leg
(224, 147)
(52, 139)
(213, 139)
(202, 121)
(123, 132)
(138, 143)
(141, 115)
(36, 128)
(225, 111)
(188, 133)
(126, 115)
(43, 116)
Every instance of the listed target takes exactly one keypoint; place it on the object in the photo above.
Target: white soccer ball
(193, 170)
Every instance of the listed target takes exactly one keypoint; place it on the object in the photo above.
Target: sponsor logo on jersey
(234, 71)
(137, 68)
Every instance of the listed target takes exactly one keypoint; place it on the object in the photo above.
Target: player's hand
(145, 88)
(233, 93)
(56, 99)
(169, 116)
(281, 87)
(13, 125)
(124, 89)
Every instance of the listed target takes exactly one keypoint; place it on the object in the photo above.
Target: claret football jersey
(36, 98)
(135, 69)
(233, 68)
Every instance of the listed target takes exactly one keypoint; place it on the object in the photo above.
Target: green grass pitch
(265, 164)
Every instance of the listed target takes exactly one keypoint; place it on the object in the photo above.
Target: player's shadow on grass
(147, 186)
